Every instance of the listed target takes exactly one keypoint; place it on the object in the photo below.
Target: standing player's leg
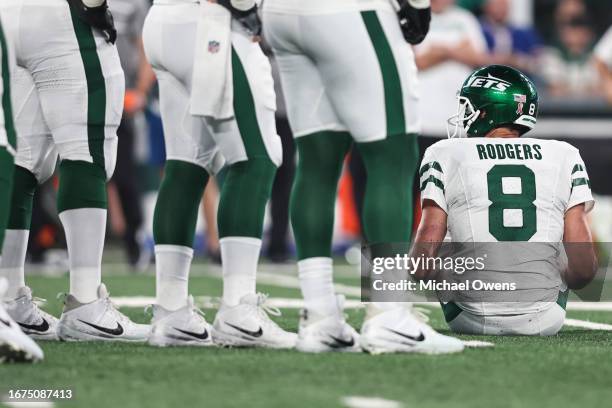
(82, 109)
(14, 344)
(8, 134)
(191, 155)
(253, 151)
(34, 164)
(322, 144)
(381, 113)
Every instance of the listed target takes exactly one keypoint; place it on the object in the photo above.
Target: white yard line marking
(590, 306)
(588, 325)
(477, 343)
(297, 303)
(29, 404)
(290, 281)
(356, 401)
(209, 302)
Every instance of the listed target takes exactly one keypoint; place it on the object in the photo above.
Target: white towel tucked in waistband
(212, 90)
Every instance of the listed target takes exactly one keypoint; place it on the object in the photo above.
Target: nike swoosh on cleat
(341, 343)
(113, 332)
(40, 328)
(257, 333)
(418, 338)
(199, 336)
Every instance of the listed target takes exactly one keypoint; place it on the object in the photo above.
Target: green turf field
(572, 369)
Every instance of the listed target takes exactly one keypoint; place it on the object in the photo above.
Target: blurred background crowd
(565, 46)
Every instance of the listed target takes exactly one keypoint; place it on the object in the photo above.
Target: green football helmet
(492, 97)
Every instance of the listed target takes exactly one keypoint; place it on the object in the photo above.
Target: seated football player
(499, 188)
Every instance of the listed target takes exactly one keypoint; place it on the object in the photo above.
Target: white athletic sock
(239, 256)
(12, 263)
(316, 281)
(172, 263)
(85, 230)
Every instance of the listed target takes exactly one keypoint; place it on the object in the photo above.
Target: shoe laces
(420, 313)
(193, 309)
(262, 310)
(32, 300)
(265, 307)
(110, 307)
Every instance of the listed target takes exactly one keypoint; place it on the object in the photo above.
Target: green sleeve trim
(433, 179)
(580, 182)
(577, 168)
(432, 165)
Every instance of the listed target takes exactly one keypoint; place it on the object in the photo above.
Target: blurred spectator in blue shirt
(507, 43)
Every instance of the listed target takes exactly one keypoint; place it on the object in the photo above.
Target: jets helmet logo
(488, 82)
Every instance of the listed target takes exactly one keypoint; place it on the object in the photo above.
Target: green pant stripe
(96, 89)
(244, 109)
(394, 100)
(7, 108)
(451, 311)
(562, 299)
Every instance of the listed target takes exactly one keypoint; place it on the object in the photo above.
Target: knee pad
(82, 185)
(79, 151)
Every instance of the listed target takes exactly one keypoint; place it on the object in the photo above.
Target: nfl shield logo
(213, 47)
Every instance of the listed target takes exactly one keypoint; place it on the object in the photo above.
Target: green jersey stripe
(432, 165)
(96, 88)
(394, 99)
(244, 109)
(580, 182)
(432, 179)
(7, 108)
(577, 168)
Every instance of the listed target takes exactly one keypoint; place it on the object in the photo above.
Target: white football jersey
(508, 190)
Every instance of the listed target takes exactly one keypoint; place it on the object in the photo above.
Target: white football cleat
(98, 320)
(184, 327)
(34, 322)
(15, 346)
(248, 325)
(403, 329)
(327, 333)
